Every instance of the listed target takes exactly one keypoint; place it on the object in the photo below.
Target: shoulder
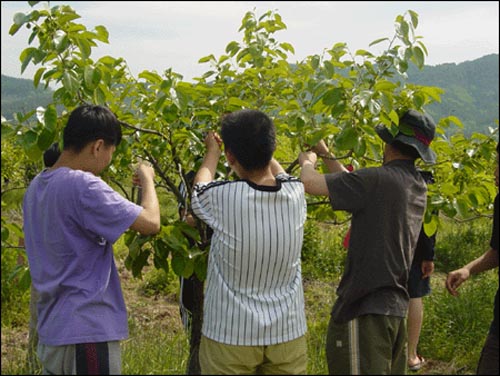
(285, 178)
(200, 188)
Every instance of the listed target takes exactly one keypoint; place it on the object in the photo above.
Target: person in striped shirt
(254, 318)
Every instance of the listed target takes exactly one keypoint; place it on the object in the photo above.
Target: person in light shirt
(254, 318)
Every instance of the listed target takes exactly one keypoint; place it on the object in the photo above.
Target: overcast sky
(175, 34)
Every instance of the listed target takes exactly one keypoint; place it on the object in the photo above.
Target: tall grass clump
(323, 259)
(459, 243)
(155, 351)
(454, 328)
(323, 254)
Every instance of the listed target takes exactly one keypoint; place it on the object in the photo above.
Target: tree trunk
(193, 366)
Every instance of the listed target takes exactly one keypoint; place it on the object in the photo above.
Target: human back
(257, 241)
(388, 203)
(71, 220)
(74, 255)
(254, 318)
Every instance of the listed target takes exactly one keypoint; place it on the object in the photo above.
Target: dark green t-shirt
(387, 205)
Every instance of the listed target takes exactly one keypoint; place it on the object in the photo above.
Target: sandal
(418, 365)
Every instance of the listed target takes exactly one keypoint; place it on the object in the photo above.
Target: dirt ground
(153, 311)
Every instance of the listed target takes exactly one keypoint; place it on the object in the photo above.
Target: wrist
(307, 162)
(327, 155)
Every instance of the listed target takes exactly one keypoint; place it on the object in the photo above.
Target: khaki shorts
(288, 358)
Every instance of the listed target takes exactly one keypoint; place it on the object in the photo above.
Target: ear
(97, 146)
(230, 156)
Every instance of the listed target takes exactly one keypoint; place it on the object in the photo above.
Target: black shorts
(418, 287)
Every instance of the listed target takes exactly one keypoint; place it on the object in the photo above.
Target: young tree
(337, 95)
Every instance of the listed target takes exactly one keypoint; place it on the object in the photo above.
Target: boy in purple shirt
(71, 220)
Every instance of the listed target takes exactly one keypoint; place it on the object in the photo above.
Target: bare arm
(207, 170)
(148, 221)
(314, 182)
(332, 164)
(486, 261)
(276, 168)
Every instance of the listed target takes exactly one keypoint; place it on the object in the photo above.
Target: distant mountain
(20, 95)
(471, 92)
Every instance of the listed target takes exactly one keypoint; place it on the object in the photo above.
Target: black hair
(88, 123)
(250, 135)
(406, 150)
(51, 155)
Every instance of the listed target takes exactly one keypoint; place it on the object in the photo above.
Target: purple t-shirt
(71, 220)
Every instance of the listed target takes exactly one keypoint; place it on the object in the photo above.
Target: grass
(453, 331)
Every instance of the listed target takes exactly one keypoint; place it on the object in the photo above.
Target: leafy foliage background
(471, 92)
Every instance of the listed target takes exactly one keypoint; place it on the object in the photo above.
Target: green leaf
(238, 103)
(206, 59)
(414, 18)
(377, 41)
(85, 47)
(346, 139)
(232, 48)
(287, 47)
(26, 56)
(200, 267)
(363, 53)
(152, 77)
(50, 118)
(383, 85)
(178, 264)
(333, 96)
(102, 34)
(45, 139)
(160, 262)
(139, 263)
(20, 19)
(418, 56)
(60, 40)
(188, 268)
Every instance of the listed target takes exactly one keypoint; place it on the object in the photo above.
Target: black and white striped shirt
(254, 294)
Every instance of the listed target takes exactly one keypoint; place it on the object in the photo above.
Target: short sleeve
(106, 212)
(201, 203)
(347, 190)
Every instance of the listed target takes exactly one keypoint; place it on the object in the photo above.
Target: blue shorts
(418, 287)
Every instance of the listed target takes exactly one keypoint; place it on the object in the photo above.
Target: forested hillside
(20, 95)
(471, 92)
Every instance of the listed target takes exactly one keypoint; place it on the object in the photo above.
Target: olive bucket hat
(415, 129)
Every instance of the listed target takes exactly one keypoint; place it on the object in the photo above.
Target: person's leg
(415, 319)
(338, 354)
(488, 363)
(217, 358)
(102, 358)
(369, 344)
(33, 361)
(287, 358)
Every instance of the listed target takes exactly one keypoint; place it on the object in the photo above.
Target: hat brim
(425, 152)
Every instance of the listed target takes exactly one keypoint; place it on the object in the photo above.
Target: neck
(393, 154)
(259, 177)
(74, 161)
